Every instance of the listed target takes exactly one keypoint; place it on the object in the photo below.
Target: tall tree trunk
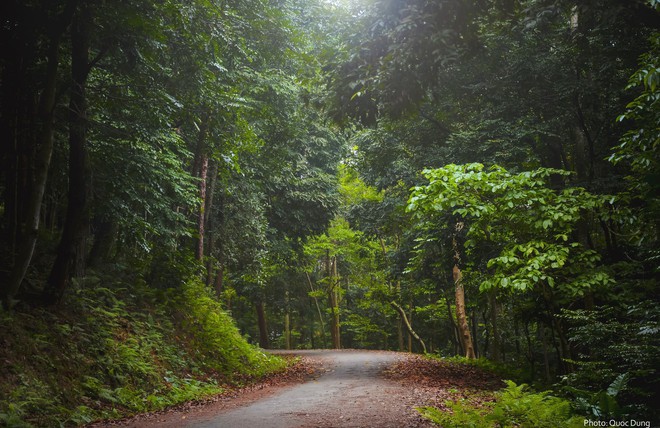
(200, 171)
(210, 221)
(459, 294)
(219, 280)
(461, 315)
(44, 149)
(318, 309)
(492, 298)
(458, 344)
(335, 332)
(544, 344)
(399, 331)
(201, 218)
(264, 342)
(410, 337)
(475, 334)
(530, 351)
(78, 193)
(287, 330)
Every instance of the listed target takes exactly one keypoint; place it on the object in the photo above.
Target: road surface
(349, 392)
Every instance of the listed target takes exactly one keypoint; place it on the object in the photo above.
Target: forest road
(349, 392)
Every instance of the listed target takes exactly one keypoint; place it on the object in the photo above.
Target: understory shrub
(119, 350)
(514, 406)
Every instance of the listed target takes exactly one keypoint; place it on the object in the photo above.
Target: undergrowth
(117, 351)
(514, 406)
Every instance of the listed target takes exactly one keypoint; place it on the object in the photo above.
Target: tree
(77, 215)
(524, 230)
(24, 194)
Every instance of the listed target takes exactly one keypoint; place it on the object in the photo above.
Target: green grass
(116, 352)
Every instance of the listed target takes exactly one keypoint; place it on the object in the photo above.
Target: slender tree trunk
(219, 279)
(335, 332)
(336, 343)
(287, 330)
(44, 149)
(318, 309)
(200, 171)
(400, 322)
(458, 345)
(78, 194)
(210, 262)
(475, 333)
(264, 342)
(461, 315)
(530, 351)
(410, 337)
(562, 346)
(210, 221)
(544, 344)
(405, 321)
(492, 297)
(201, 223)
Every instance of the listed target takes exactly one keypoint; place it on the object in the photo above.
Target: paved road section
(351, 393)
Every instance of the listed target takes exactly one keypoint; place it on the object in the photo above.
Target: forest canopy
(457, 178)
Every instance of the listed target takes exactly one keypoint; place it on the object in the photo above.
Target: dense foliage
(450, 177)
(118, 351)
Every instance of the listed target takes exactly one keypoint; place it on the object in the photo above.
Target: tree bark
(264, 342)
(200, 171)
(461, 315)
(546, 360)
(475, 342)
(287, 331)
(318, 309)
(219, 280)
(399, 331)
(210, 221)
(459, 293)
(335, 331)
(44, 149)
(458, 345)
(492, 298)
(201, 223)
(405, 321)
(78, 192)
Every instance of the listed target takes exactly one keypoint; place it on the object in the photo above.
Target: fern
(515, 406)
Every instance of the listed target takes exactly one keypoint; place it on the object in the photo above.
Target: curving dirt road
(349, 392)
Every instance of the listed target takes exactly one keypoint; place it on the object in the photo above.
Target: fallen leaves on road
(433, 382)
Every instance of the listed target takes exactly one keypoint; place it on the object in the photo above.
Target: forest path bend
(350, 392)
